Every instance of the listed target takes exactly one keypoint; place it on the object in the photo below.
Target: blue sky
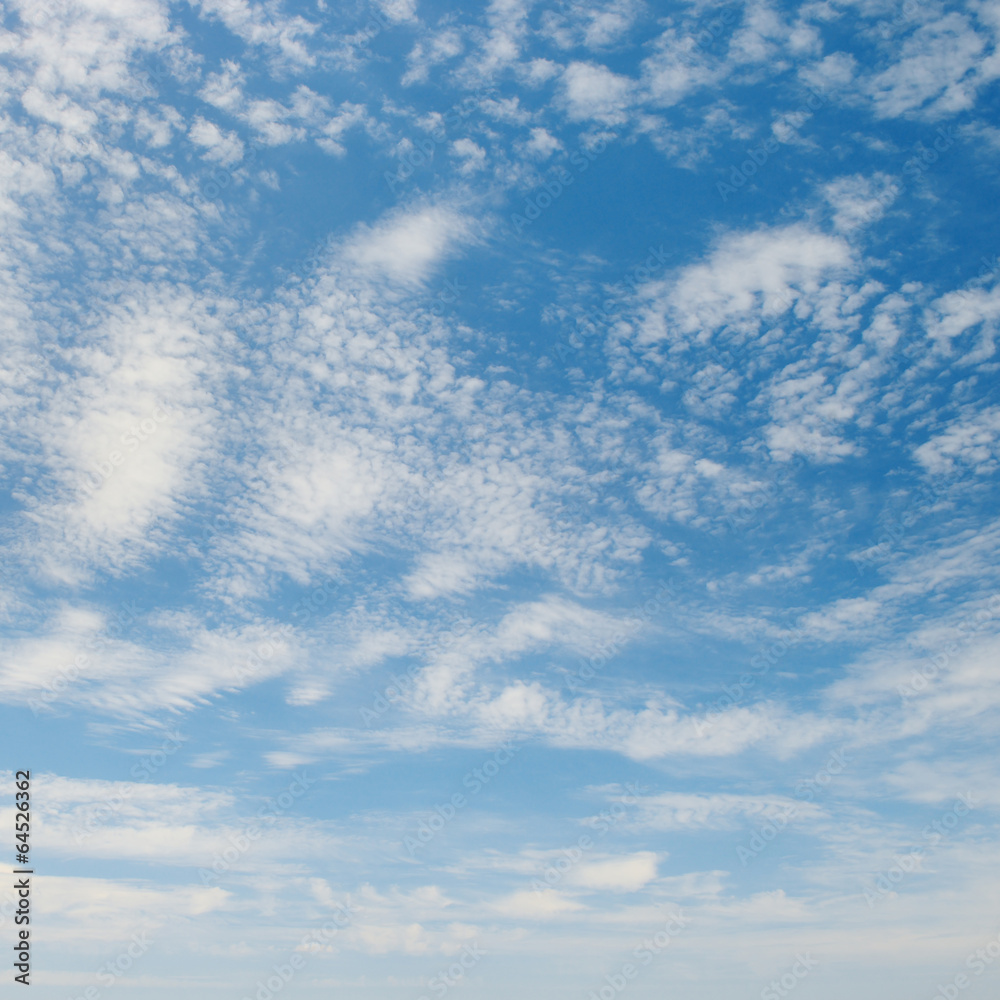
(486, 488)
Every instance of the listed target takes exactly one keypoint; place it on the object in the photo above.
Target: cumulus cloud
(407, 246)
(592, 92)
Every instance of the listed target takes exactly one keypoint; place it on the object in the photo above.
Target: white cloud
(936, 72)
(500, 46)
(407, 246)
(259, 24)
(747, 279)
(84, 658)
(833, 72)
(593, 25)
(84, 49)
(542, 144)
(537, 905)
(955, 313)
(120, 452)
(970, 440)
(340, 418)
(676, 68)
(334, 128)
(691, 811)
(86, 910)
(618, 874)
(437, 48)
(158, 130)
(268, 119)
(608, 24)
(807, 411)
(592, 92)
(225, 89)
(220, 147)
(858, 201)
(399, 11)
(472, 157)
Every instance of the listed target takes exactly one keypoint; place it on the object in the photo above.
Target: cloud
(592, 92)
(537, 905)
(82, 49)
(955, 313)
(542, 144)
(832, 72)
(471, 155)
(220, 147)
(408, 246)
(747, 278)
(623, 874)
(594, 26)
(225, 89)
(970, 440)
(303, 425)
(118, 453)
(676, 68)
(282, 37)
(684, 811)
(858, 201)
(935, 73)
(86, 910)
(437, 48)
